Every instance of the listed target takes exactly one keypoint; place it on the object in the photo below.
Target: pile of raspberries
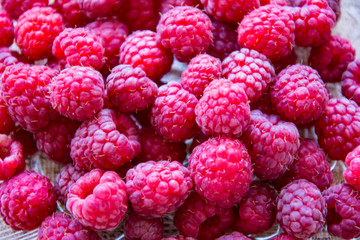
(219, 148)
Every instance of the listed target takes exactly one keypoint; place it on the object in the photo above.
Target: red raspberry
(6, 29)
(26, 200)
(27, 141)
(167, 5)
(234, 236)
(62, 226)
(107, 140)
(98, 200)
(100, 8)
(141, 14)
(202, 220)
(36, 30)
(201, 70)
(350, 81)
(129, 89)
(285, 62)
(6, 58)
(6, 123)
(301, 209)
(173, 113)
(223, 109)
(343, 204)
(186, 31)
(283, 236)
(299, 94)
(272, 144)
(71, 12)
(79, 46)
(230, 10)
(254, 31)
(352, 174)
(140, 228)
(16, 7)
(337, 130)
(140, 49)
(264, 105)
(78, 92)
(252, 70)
(26, 91)
(221, 170)
(178, 237)
(11, 157)
(276, 2)
(156, 189)
(332, 58)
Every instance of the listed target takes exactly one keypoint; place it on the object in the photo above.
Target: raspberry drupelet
(350, 81)
(352, 174)
(6, 29)
(7, 125)
(140, 228)
(16, 7)
(11, 157)
(6, 59)
(100, 8)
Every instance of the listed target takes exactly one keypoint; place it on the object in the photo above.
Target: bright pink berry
(16, 7)
(11, 157)
(72, 14)
(100, 8)
(6, 29)
(352, 174)
(140, 228)
(350, 81)
(233, 236)
(167, 5)
(7, 125)
(6, 58)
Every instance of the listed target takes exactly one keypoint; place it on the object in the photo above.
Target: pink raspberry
(173, 113)
(221, 170)
(100, 8)
(350, 81)
(201, 70)
(78, 92)
(337, 130)
(301, 209)
(71, 12)
(107, 141)
(7, 125)
(352, 174)
(6, 29)
(332, 58)
(283, 236)
(254, 33)
(78, 46)
(6, 59)
(156, 189)
(129, 89)
(252, 70)
(27, 141)
(16, 7)
(234, 236)
(11, 157)
(141, 14)
(178, 237)
(62, 226)
(202, 220)
(140, 228)
(167, 5)
(98, 200)
(26, 200)
(272, 144)
(223, 109)
(186, 31)
(140, 49)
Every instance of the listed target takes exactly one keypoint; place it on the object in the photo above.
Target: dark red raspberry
(98, 200)
(234, 236)
(350, 81)
(223, 109)
(26, 200)
(26, 91)
(16, 7)
(276, 2)
(167, 5)
(264, 105)
(78, 92)
(269, 30)
(107, 141)
(197, 140)
(6, 58)
(178, 237)
(100, 8)
(352, 174)
(140, 49)
(283, 236)
(129, 89)
(337, 130)
(140, 228)
(285, 62)
(62, 226)
(301, 209)
(156, 189)
(26, 139)
(7, 125)
(343, 204)
(11, 157)
(173, 113)
(71, 12)
(186, 31)
(201, 70)
(272, 144)
(202, 220)
(124, 169)
(6, 29)
(221, 170)
(332, 58)
(252, 70)
(143, 117)
(79, 46)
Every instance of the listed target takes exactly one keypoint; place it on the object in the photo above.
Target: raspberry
(71, 12)
(276, 2)
(26, 91)
(26, 139)
(337, 130)
(343, 204)
(140, 49)
(231, 10)
(332, 58)
(167, 5)
(197, 140)
(16, 7)
(252, 70)
(129, 89)
(107, 141)
(141, 14)
(100, 8)
(264, 105)
(156, 189)
(6, 29)
(221, 170)
(6, 124)
(173, 113)
(124, 169)
(178, 237)
(335, 6)
(301, 209)
(26, 200)
(285, 62)
(201, 70)
(257, 209)
(143, 117)
(299, 94)
(62, 226)
(202, 220)
(68, 175)
(78, 46)
(137, 227)
(11, 157)
(272, 144)
(350, 81)
(233, 236)
(36, 30)
(268, 30)
(352, 174)
(6, 58)
(78, 92)
(186, 31)
(223, 109)
(98, 200)
(283, 236)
